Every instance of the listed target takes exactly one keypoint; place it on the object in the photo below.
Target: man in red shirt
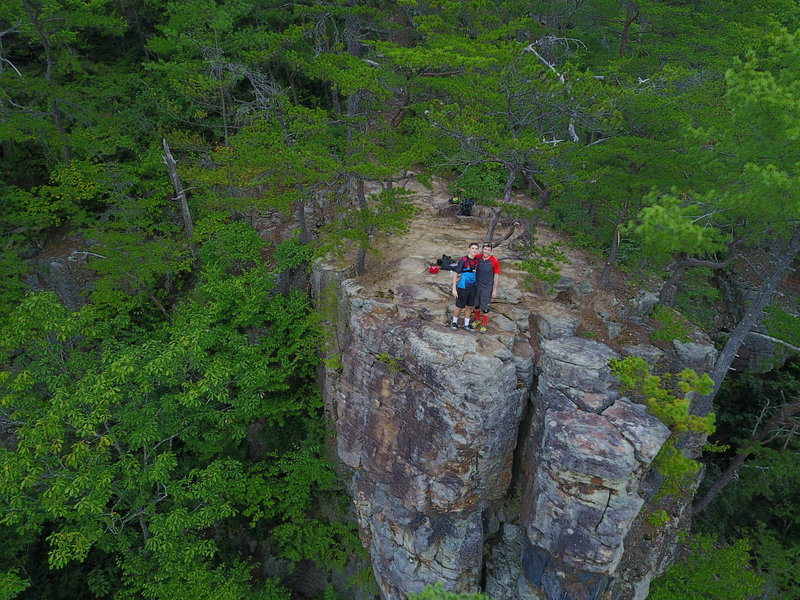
(487, 278)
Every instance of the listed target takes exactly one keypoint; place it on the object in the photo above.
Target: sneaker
(483, 329)
(470, 328)
(475, 324)
(453, 325)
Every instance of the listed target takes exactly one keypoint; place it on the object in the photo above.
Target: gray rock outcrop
(588, 451)
(427, 418)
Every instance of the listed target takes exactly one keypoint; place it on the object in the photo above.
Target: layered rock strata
(427, 418)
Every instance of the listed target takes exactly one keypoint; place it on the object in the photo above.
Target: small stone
(614, 329)
(641, 306)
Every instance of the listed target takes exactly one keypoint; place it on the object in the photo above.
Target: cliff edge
(505, 462)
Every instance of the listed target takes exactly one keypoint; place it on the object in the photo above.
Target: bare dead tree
(752, 317)
(781, 424)
(180, 192)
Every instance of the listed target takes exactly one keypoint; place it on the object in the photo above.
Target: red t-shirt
(494, 261)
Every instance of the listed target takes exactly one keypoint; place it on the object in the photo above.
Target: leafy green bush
(697, 296)
(291, 253)
(668, 398)
(673, 325)
(782, 325)
(658, 518)
(11, 286)
(480, 183)
(233, 247)
(710, 572)
(545, 263)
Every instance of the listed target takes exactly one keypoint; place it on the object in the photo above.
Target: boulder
(640, 307)
(700, 357)
(551, 327)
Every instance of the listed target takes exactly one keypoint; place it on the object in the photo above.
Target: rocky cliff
(507, 462)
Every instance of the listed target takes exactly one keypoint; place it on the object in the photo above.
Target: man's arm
(456, 277)
(496, 268)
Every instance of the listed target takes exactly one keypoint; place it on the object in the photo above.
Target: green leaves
(132, 448)
(668, 397)
(711, 571)
(671, 225)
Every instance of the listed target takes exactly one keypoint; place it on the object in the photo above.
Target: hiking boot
(453, 326)
(483, 329)
(470, 328)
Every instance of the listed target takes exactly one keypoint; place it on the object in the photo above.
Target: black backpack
(466, 207)
(446, 263)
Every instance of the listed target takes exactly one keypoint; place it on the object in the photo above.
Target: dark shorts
(483, 295)
(466, 296)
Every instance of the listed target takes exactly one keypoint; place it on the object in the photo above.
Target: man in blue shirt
(464, 287)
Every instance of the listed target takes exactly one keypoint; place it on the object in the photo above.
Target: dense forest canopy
(163, 434)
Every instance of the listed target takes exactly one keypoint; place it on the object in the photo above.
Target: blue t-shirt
(467, 267)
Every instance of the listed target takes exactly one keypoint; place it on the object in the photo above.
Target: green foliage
(545, 263)
(480, 183)
(150, 390)
(232, 247)
(291, 254)
(670, 224)
(658, 518)
(777, 557)
(668, 397)
(782, 325)
(760, 503)
(134, 270)
(128, 448)
(710, 572)
(394, 364)
(387, 212)
(437, 592)
(672, 325)
(11, 584)
(697, 298)
(11, 287)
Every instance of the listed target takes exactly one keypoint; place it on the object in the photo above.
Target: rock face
(429, 421)
(587, 453)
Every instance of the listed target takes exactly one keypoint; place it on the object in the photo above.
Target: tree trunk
(55, 111)
(730, 472)
(751, 318)
(492, 225)
(544, 197)
(682, 262)
(180, 193)
(670, 288)
(361, 257)
(605, 280)
(630, 17)
(507, 191)
(355, 49)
